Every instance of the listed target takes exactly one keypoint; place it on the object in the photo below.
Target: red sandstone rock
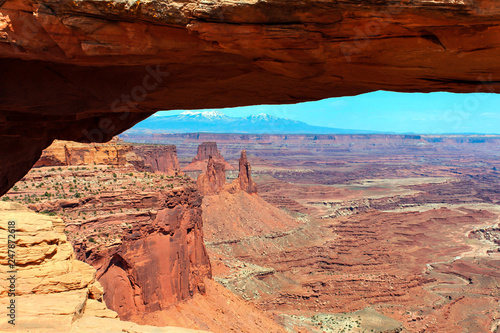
(205, 151)
(159, 158)
(147, 247)
(213, 180)
(244, 182)
(62, 153)
(88, 81)
(405, 264)
(219, 311)
(54, 291)
(141, 232)
(245, 176)
(160, 260)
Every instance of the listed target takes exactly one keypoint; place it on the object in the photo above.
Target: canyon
(87, 81)
(142, 234)
(346, 233)
(382, 233)
(54, 291)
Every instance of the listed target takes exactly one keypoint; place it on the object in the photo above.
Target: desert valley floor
(344, 233)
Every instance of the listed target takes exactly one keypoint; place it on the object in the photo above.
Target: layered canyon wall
(213, 180)
(62, 152)
(54, 292)
(157, 256)
(161, 159)
(141, 231)
(146, 158)
(160, 258)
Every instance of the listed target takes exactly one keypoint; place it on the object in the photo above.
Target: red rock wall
(205, 151)
(159, 158)
(158, 262)
(213, 180)
(72, 153)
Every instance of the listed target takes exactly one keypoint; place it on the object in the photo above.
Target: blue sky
(431, 113)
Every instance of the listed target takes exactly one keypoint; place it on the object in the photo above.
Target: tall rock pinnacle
(213, 180)
(245, 176)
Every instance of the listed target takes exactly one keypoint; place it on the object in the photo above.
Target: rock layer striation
(54, 291)
(162, 159)
(61, 153)
(159, 258)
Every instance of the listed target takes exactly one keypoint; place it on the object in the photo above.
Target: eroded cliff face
(70, 72)
(207, 151)
(144, 158)
(161, 159)
(141, 231)
(54, 291)
(158, 258)
(213, 180)
(72, 153)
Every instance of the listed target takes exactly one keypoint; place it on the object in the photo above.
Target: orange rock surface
(151, 254)
(158, 159)
(244, 182)
(219, 311)
(142, 233)
(73, 153)
(54, 292)
(390, 233)
(157, 257)
(205, 151)
(397, 231)
(213, 180)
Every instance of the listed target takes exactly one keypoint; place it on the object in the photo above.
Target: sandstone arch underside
(87, 70)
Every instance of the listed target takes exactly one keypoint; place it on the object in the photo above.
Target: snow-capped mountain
(211, 115)
(217, 122)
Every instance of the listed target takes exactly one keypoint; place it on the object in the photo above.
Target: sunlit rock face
(87, 70)
(245, 176)
(161, 159)
(160, 260)
(54, 292)
(207, 151)
(71, 153)
(213, 180)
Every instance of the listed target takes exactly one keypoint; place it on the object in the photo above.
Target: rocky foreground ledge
(86, 70)
(53, 291)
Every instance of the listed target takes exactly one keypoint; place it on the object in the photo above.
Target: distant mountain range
(217, 122)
